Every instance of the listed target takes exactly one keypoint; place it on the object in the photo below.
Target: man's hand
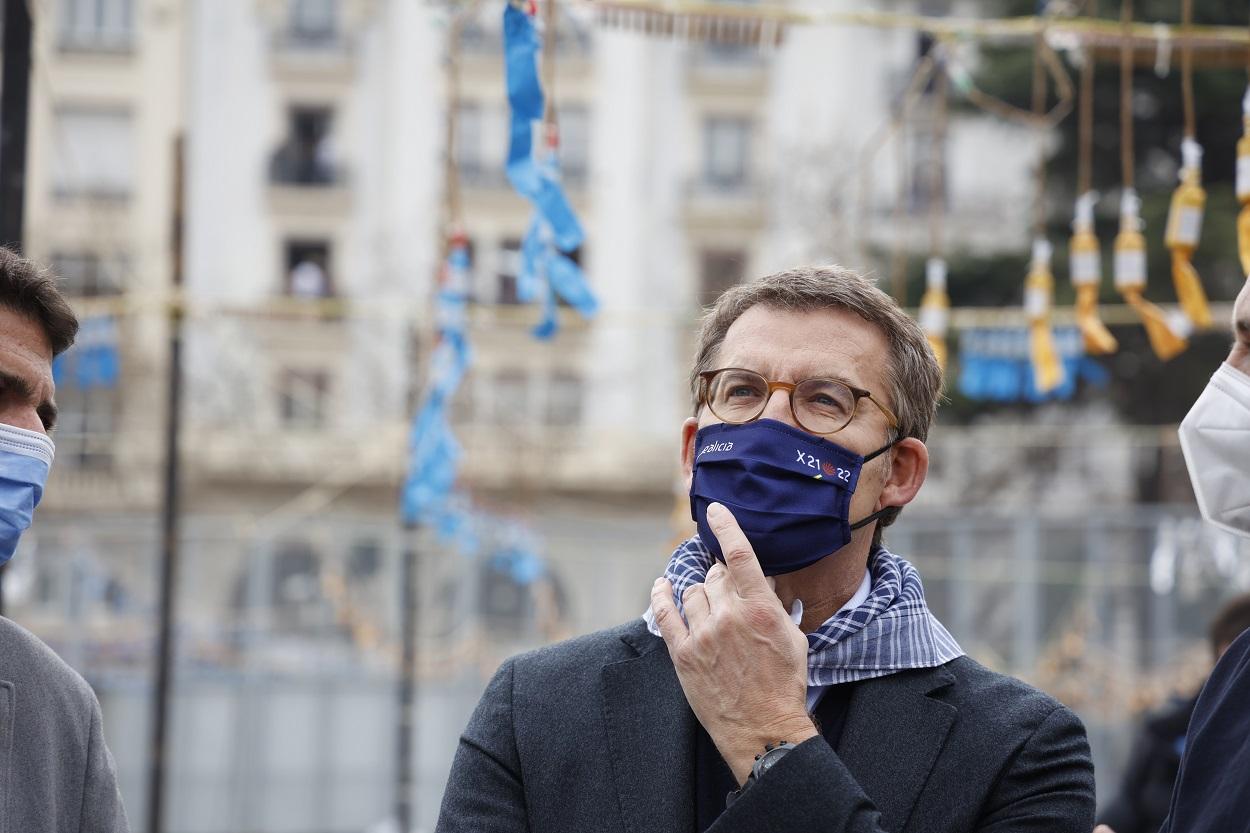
(1240, 355)
(742, 663)
(1102, 828)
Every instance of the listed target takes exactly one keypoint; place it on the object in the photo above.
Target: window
(462, 403)
(87, 378)
(564, 399)
(510, 404)
(574, 143)
(726, 150)
(87, 274)
(509, 269)
(924, 155)
(307, 157)
(719, 269)
(308, 270)
(94, 153)
(303, 399)
(314, 22)
(469, 141)
(97, 24)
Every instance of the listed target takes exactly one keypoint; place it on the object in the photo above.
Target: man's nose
(778, 408)
(22, 417)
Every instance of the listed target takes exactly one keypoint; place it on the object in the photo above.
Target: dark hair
(30, 291)
(1232, 620)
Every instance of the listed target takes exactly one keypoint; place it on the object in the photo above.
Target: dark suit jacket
(1212, 792)
(56, 774)
(595, 735)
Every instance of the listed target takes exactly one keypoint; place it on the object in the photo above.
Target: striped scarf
(891, 631)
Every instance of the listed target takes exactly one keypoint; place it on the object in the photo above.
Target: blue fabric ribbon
(433, 451)
(555, 231)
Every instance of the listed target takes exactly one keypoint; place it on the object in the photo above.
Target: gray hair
(912, 372)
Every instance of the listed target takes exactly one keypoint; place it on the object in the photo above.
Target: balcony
(303, 182)
(725, 201)
(96, 40)
(313, 54)
(479, 177)
(722, 67)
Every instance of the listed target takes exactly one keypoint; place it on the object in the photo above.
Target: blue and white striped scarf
(891, 631)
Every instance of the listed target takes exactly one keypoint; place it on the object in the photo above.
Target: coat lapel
(893, 734)
(651, 734)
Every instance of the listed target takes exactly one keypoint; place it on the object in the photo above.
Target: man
(1213, 788)
(56, 774)
(1212, 793)
(813, 394)
(1146, 789)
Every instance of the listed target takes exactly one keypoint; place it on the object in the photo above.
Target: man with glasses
(788, 675)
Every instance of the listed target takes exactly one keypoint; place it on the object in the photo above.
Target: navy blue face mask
(790, 491)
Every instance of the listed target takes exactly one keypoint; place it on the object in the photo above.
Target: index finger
(744, 568)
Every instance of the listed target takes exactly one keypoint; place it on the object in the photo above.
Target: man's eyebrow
(22, 387)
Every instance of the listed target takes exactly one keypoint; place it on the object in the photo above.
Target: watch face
(770, 758)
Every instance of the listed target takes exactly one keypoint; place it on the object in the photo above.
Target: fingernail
(658, 581)
(715, 510)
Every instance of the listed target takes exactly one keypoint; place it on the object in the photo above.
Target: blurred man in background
(56, 774)
(789, 675)
(1146, 789)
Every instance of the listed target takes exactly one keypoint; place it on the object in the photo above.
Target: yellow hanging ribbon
(1085, 271)
(1039, 293)
(1243, 185)
(935, 308)
(1130, 280)
(1184, 229)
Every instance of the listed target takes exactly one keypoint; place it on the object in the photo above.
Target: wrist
(742, 752)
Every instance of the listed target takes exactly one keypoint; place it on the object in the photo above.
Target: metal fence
(284, 714)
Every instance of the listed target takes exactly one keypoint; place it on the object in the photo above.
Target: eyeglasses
(819, 406)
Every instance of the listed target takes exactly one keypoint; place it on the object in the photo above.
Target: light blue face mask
(25, 459)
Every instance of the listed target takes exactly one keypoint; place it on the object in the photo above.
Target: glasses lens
(737, 395)
(823, 406)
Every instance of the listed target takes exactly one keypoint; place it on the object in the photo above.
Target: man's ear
(909, 465)
(688, 429)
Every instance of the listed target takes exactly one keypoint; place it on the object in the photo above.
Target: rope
(549, 72)
(699, 20)
(937, 176)
(1039, 104)
(1085, 127)
(1187, 67)
(998, 107)
(1126, 95)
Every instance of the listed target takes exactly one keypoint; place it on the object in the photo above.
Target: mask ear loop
(869, 519)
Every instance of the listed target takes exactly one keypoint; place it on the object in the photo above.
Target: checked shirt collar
(891, 631)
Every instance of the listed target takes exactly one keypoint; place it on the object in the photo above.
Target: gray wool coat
(56, 774)
(596, 735)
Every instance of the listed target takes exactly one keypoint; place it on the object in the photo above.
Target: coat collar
(651, 737)
(894, 731)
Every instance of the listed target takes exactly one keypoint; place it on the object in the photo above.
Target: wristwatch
(766, 760)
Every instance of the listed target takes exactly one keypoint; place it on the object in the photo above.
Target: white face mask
(1215, 437)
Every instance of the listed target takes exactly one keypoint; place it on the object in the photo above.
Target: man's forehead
(826, 342)
(25, 352)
